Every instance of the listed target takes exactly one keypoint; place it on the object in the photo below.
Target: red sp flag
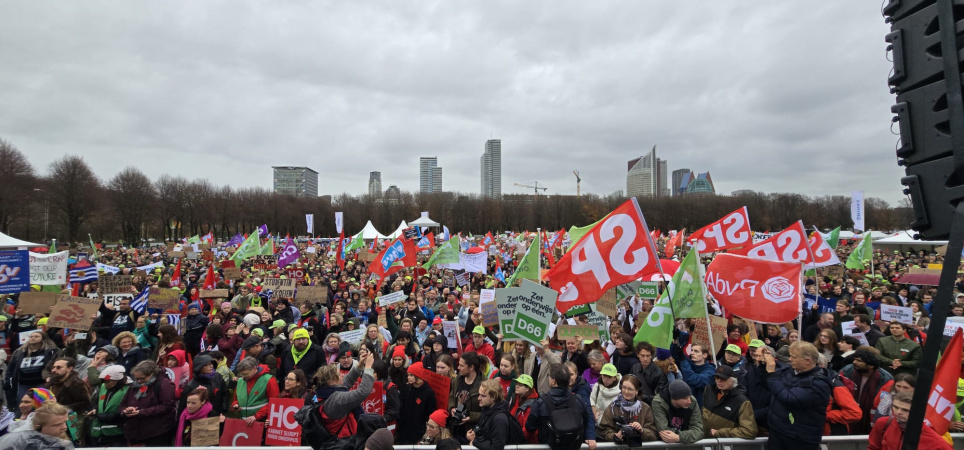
(941, 402)
(789, 245)
(823, 254)
(238, 434)
(283, 430)
(616, 251)
(754, 289)
(733, 230)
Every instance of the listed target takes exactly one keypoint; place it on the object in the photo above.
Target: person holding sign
(256, 387)
(336, 403)
(198, 407)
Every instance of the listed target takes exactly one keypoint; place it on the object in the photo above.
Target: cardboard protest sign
(114, 284)
(586, 332)
(490, 312)
(448, 280)
(162, 298)
(835, 271)
(37, 302)
(177, 254)
(73, 312)
(280, 287)
(48, 269)
(394, 297)
(648, 290)
(601, 321)
(701, 333)
(207, 255)
(204, 432)
(265, 262)
(230, 269)
(352, 337)
(367, 257)
(902, 314)
(237, 433)
(193, 256)
(14, 271)
(505, 302)
(607, 303)
(440, 385)
(213, 293)
(311, 294)
(534, 312)
(283, 430)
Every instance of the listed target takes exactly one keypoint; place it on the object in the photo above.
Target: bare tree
(17, 181)
(133, 197)
(74, 193)
(172, 198)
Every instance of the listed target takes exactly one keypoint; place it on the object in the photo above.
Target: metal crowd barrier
(829, 443)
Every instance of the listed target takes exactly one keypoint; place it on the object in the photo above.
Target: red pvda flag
(941, 402)
(755, 289)
(732, 231)
(616, 251)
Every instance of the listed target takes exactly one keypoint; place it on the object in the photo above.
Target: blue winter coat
(798, 409)
(697, 377)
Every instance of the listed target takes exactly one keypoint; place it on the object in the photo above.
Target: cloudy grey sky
(771, 96)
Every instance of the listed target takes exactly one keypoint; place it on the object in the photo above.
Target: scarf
(185, 416)
(629, 407)
(298, 355)
(511, 379)
(332, 353)
(142, 387)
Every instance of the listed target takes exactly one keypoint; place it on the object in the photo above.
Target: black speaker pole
(935, 332)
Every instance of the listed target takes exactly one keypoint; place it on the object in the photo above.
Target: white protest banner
(474, 262)
(850, 329)
(339, 221)
(310, 219)
(394, 297)
(450, 328)
(952, 325)
(48, 269)
(115, 299)
(108, 269)
(463, 279)
(490, 313)
(902, 314)
(352, 337)
(534, 312)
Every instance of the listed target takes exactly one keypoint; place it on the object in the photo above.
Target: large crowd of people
(140, 377)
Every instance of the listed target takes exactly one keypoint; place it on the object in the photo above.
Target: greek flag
(139, 303)
(83, 274)
(175, 321)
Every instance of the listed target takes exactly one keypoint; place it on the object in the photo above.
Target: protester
(25, 369)
(677, 414)
(198, 407)
(33, 399)
(435, 430)
(561, 397)
(49, 431)
(295, 385)
(496, 427)
(627, 420)
(520, 405)
(336, 403)
(256, 387)
(897, 353)
(798, 410)
(130, 353)
(727, 412)
(148, 407)
(464, 394)
(888, 432)
(654, 380)
(605, 391)
(206, 376)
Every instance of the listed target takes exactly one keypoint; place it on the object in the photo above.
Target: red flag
(209, 280)
(941, 403)
(400, 254)
(789, 245)
(340, 252)
(733, 230)
(616, 251)
(674, 242)
(758, 290)
(557, 239)
(176, 276)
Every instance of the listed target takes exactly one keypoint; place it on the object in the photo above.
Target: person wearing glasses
(435, 430)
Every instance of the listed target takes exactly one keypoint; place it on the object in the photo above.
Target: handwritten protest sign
(601, 321)
(283, 430)
(607, 303)
(311, 294)
(114, 300)
(490, 312)
(230, 269)
(162, 298)
(394, 297)
(37, 302)
(586, 332)
(536, 303)
(48, 269)
(701, 333)
(352, 337)
(901, 314)
(73, 312)
(265, 262)
(450, 328)
(213, 293)
(114, 284)
(280, 287)
(204, 432)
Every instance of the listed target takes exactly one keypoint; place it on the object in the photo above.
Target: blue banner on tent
(14, 271)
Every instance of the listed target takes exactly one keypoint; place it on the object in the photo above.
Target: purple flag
(263, 230)
(288, 254)
(236, 240)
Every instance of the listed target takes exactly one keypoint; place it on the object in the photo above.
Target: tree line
(132, 207)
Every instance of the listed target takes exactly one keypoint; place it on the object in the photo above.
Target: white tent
(7, 241)
(398, 231)
(369, 232)
(423, 221)
(904, 240)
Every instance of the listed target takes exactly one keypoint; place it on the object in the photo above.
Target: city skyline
(491, 162)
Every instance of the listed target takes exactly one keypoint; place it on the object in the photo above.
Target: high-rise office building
(678, 176)
(297, 181)
(492, 168)
(375, 184)
(429, 175)
(697, 184)
(646, 176)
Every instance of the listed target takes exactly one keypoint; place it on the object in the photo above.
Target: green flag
(250, 247)
(268, 248)
(447, 253)
(93, 248)
(688, 296)
(862, 252)
(53, 246)
(657, 329)
(194, 239)
(832, 238)
(576, 233)
(357, 241)
(529, 265)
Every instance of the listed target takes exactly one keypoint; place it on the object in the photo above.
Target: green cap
(609, 370)
(258, 332)
(277, 324)
(734, 348)
(478, 330)
(756, 343)
(527, 380)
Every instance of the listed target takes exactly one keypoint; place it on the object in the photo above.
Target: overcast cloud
(770, 96)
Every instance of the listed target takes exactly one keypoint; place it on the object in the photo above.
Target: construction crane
(576, 173)
(535, 188)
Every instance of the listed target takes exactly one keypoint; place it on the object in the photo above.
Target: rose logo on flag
(778, 290)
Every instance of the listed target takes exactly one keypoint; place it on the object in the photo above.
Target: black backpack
(516, 435)
(566, 428)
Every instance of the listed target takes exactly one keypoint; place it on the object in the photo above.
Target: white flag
(857, 209)
(310, 218)
(339, 221)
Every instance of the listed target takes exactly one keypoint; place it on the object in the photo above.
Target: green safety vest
(104, 405)
(250, 403)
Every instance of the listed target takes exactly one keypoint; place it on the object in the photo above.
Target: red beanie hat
(398, 352)
(439, 417)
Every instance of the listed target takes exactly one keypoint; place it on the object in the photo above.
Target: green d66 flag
(657, 329)
(357, 241)
(447, 253)
(249, 248)
(576, 233)
(861, 254)
(688, 297)
(268, 248)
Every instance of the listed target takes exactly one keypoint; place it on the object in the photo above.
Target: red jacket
(842, 410)
(486, 349)
(532, 437)
(271, 391)
(890, 436)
